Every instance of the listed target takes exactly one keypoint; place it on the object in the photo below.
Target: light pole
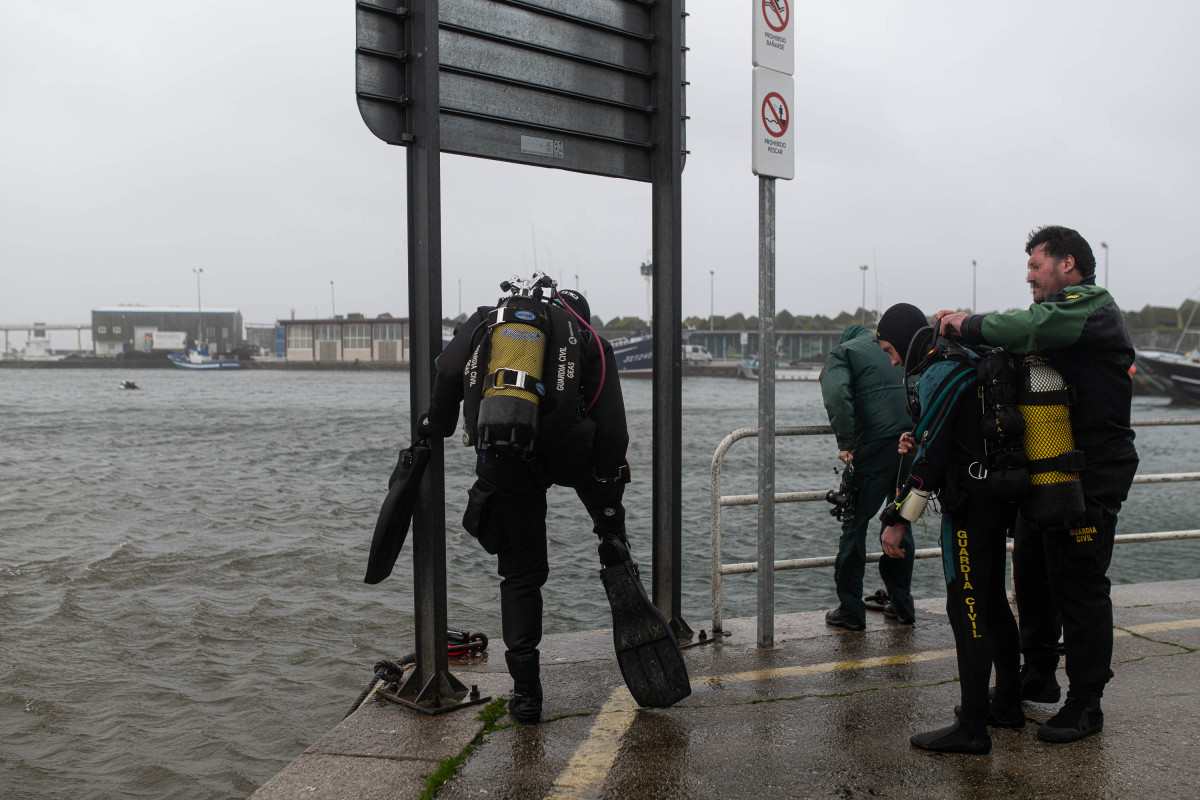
(199, 309)
(1105, 246)
(332, 302)
(974, 309)
(711, 284)
(864, 269)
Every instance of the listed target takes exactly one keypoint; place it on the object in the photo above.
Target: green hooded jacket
(863, 392)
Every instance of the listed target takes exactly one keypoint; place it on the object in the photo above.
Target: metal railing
(718, 501)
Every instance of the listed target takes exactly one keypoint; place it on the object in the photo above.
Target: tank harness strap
(1070, 461)
(1059, 397)
(935, 415)
(503, 314)
(506, 378)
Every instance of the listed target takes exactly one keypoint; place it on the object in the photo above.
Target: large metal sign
(567, 84)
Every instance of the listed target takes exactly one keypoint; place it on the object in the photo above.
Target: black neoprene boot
(1039, 684)
(1002, 712)
(526, 703)
(1080, 716)
(961, 737)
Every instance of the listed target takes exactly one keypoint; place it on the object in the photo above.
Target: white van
(695, 354)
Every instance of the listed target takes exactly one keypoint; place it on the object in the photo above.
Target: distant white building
(353, 338)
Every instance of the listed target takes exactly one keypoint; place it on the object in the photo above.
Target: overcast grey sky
(143, 139)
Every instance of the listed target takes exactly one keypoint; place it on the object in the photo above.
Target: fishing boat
(1179, 373)
(634, 354)
(201, 358)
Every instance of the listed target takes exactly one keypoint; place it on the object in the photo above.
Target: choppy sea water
(181, 601)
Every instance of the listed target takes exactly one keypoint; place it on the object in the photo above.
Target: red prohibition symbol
(775, 114)
(775, 13)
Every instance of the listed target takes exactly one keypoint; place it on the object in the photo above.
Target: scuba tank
(1055, 497)
(512, 387)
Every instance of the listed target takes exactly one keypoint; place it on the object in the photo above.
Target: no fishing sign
(773, 153)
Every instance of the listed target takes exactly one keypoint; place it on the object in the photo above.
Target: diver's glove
(424, 429)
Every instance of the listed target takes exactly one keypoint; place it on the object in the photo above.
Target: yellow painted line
(831, 666)
(584, 775)
(1154, 627)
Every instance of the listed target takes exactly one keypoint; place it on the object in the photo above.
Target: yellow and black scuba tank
(522, 382)
(512, 387)
(1055, 497)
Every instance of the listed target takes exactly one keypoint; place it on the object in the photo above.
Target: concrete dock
(824, 714)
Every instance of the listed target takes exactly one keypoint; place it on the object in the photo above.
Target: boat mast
(648, 273)
(199, 310)
(1186, 325)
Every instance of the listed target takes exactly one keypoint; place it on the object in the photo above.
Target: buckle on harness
(977, 471)
(506, 378)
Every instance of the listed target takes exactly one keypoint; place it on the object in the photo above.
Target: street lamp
(332, 302)
(1105, 246)
(711, 279)
(974, 308)
(199, 309)
(864, 269)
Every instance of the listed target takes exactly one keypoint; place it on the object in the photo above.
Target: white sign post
(772, 156)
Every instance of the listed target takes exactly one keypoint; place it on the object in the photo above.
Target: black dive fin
(647, 651)
(391, 529)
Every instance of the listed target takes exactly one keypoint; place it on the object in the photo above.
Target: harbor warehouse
(125, 329)
(355, 338)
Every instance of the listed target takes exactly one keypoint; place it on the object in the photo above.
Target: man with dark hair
(1060, 572)
(864, 398)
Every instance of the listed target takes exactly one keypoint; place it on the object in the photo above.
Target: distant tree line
(1149, 319)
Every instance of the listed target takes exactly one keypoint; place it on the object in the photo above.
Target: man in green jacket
(1059, 571)
(864, 397)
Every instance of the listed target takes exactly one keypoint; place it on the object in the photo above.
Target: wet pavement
(824, 714)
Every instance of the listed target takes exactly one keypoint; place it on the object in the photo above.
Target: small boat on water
(128, 385)
(1178, 373)
(200, 358)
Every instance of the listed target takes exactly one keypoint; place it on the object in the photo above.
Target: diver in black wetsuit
(950, 459)
(506, 508)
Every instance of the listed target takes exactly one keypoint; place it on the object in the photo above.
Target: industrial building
(352, 338)
(141, 329)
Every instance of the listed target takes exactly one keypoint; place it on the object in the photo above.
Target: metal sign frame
(591, 86)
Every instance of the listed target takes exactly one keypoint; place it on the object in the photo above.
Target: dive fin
(391, 529)
(647, 651)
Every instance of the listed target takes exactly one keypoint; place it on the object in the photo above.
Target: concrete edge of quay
(385, 750)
